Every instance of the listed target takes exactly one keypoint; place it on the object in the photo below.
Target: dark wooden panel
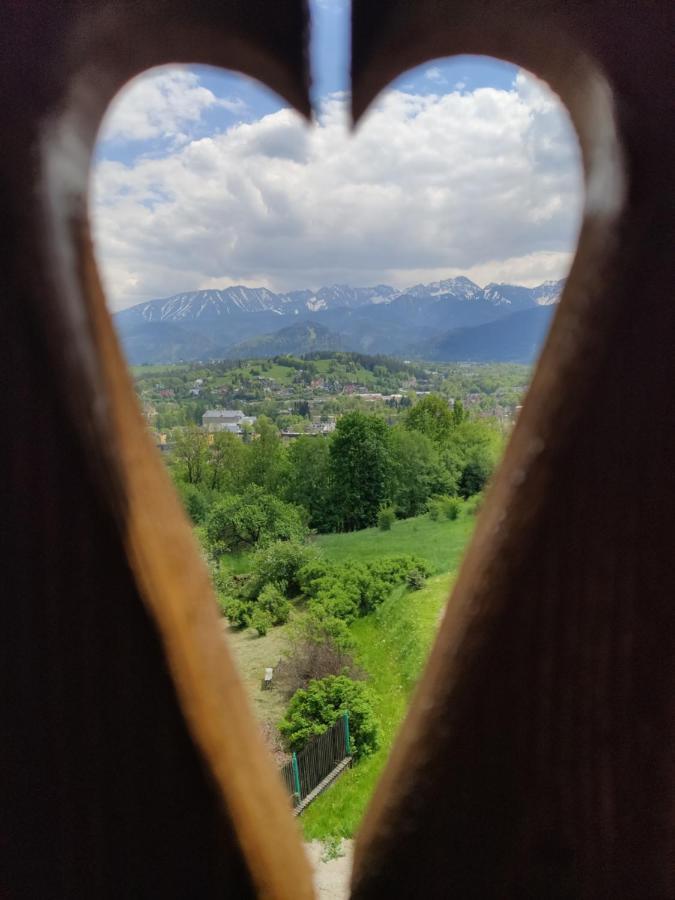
(537, 760)
(121, 712)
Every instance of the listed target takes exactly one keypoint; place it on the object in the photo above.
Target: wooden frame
(537, 757)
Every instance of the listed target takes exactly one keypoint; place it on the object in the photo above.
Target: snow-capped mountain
(379, 319)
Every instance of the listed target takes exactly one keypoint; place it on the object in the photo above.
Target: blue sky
(464, 165)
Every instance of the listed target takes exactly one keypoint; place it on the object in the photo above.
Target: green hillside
(441, 543)
(392, 645)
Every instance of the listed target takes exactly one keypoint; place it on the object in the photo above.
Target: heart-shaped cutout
(197, 184)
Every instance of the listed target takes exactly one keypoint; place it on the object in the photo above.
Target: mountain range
(447, 320)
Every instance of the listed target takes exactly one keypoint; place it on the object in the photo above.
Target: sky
(202, 178)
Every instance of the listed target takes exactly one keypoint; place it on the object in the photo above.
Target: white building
(231, 420)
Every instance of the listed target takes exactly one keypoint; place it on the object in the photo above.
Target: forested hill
(515, 338)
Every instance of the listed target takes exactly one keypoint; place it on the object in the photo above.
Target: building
(232, 420)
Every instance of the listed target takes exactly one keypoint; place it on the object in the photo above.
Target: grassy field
(393, 644)
(253, 654)
(441, 543)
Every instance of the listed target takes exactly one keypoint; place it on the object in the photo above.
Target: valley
(333, 495)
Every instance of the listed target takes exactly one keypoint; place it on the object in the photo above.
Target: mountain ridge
(217, 323)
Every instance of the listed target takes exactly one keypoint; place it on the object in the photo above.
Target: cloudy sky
(204, 179)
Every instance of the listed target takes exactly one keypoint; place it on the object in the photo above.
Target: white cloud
(435, 74)
(485, 183)
(159, 105)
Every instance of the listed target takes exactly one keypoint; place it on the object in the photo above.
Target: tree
(417, 472)
(267, 463)
(226, 462)
(480, 446)
(459, 414)
(312, 712)
(308, 480)
(432, 417)
(252, 519)
(189, 453)
(360, 462)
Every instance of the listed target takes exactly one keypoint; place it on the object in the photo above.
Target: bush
(452, 508)
(313, 654)
(272, 601)
(434, 510)
(415, 579)
(346, 592)
(261, 620)
(280, 563)
(473, 504)
(194, 501)
(386, 518)
(313, 710)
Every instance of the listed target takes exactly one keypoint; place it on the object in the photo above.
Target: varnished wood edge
(163, 554)
(572, 351)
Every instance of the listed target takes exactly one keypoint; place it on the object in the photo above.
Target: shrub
(280, 563)
(319, 621)
(313, 654)
(386, 518)
(415, 579)
(346, 592)
(452, 507)
(434, 510)
(261, 620)
(313, 710)
(194, 501)
(473, 504)
(236, 611)
(272, 601)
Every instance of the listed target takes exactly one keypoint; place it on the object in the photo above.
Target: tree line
(342, 482)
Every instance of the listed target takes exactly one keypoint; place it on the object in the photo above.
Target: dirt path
(331, 878)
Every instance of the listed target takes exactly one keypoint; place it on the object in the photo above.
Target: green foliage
(261, 620)
(416, 579)
(474, 504)
(308, 483)
(481, 446)
(280, 563)
(359, 467)
(252, 519)
(267, 457)
(392, 645)
(189, 453)
(434, 509)
(444, 507)
(349, 591)
(386, 518)
(332, 849)
(226, 460)
(459, 414)
(440, 543)
(194, 500)
(273, 602)
(418, 471)
(452, 508)
(432, 417)
(313, 710)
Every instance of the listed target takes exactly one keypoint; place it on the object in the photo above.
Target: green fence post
(348, 741)
(296, 776)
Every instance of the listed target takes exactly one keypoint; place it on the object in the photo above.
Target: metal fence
(320, 761)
